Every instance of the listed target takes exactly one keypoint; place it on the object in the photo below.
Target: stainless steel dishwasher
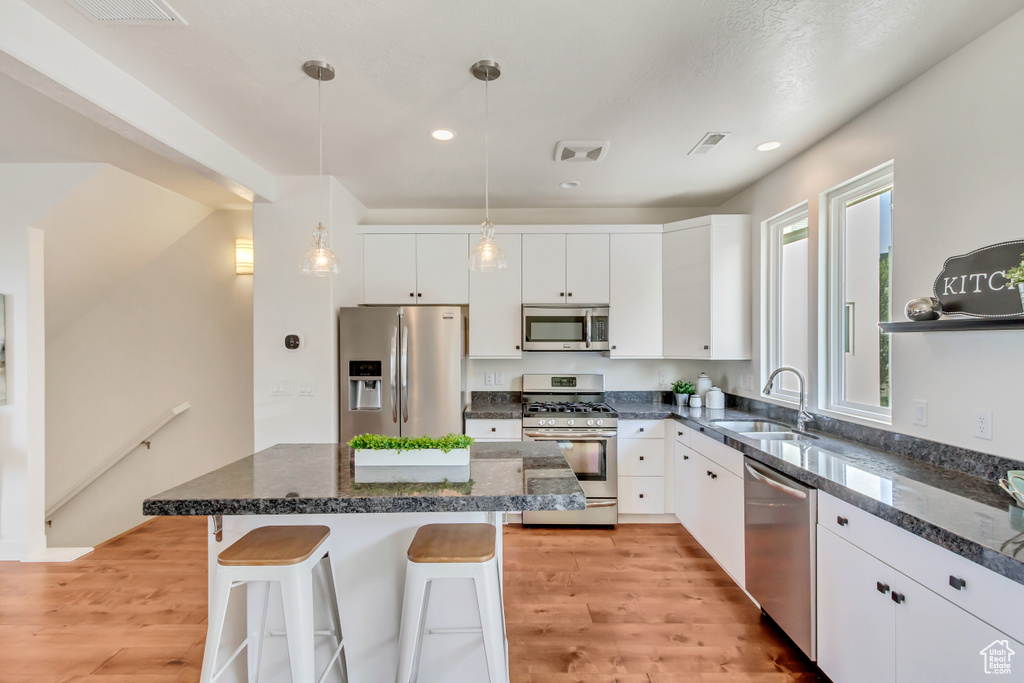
(779, 522)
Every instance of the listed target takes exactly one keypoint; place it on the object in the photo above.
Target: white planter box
(430, 457)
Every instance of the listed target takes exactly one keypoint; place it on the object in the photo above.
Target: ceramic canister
(715, 399)
(703, 384)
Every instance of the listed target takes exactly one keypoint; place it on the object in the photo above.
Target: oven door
(589, 452)
(565, 329)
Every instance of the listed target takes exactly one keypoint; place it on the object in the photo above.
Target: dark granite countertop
(967, 515)
(494, 405)
(321, 479)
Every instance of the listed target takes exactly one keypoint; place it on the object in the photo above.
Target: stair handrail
(130, 445)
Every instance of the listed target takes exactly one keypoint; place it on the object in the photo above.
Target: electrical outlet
(663, 378)
(921, 412)
(489, 379)
(748, 382)
(983, 424)
(499, 379)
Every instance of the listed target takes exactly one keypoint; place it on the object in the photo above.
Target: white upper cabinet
(389, 269)
(586, 269)
(416, 269)
(707, 288)
(636, 296)
(495, 306)
(544, 269)
(565, 269)
(442, 269)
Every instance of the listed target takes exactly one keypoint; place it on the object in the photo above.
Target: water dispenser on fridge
(364, 384)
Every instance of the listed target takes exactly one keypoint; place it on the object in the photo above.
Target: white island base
(368, 556)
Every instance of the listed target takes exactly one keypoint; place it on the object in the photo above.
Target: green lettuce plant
(376, 442)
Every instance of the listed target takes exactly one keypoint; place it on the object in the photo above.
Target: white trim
(771, 259)
(507, 229)
(832, 214)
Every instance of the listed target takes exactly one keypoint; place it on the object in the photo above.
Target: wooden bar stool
(288, 555)
(452, 551)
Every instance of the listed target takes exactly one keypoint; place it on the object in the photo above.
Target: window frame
(832, 211)
(772, 352)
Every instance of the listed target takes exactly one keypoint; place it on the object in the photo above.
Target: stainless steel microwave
(565, 328)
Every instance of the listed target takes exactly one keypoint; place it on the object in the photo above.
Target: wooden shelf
(955, 325)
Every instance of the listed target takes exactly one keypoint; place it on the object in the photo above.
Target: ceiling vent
(581, 151)
(707, 143)
(129, 12)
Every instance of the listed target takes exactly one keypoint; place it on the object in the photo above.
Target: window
(859, 276)
(786, 285)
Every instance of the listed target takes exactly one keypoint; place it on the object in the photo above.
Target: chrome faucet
(802, 416)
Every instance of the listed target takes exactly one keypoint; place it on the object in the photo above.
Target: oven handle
(602, 504)
(778, 486)
(568, 436)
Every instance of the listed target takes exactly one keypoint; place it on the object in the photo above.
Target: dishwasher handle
(778, 486)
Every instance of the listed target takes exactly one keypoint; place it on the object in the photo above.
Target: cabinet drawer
(642, 495)
(641, 429)
(717, 452)
(641, 457)
(495, 430)
(985, 594)
(680, 431)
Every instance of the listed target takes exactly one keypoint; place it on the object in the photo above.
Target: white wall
(286, 302)
(620, 374)
(179, 329)
(27, 191)
(956, 137)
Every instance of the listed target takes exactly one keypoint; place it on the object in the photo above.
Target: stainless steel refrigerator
(401, 370)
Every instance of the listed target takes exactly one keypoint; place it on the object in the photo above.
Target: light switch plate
(921, 412)
(281, 387)
(307, 387)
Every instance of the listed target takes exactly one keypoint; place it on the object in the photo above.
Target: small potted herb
(683, 391)
(1015, 278)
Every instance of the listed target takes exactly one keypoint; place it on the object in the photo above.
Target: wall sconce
(243, 257)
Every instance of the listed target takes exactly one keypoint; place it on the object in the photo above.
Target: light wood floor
(640, 604)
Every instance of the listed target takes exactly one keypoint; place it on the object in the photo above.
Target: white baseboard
(57, 555)
(648, 519)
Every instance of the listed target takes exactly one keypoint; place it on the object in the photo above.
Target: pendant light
(487, 256)
(320, 261)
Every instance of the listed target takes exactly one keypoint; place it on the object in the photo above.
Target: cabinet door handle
(641, 457)
(686, 457)
(882, 588)
(412, 295)
(898, 598)
(679, 433)
(561, 294)
(842, 521)
(706, 347)
(956, 582)
(641, 495)
(570, 293)
(641, 429)
(419, 294)
(702, 429)
(494, 429)
(709, 473)
(517, 347)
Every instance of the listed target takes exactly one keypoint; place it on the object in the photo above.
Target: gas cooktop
(569, 407)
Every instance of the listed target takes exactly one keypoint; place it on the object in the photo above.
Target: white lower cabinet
(685, 469)
(641, 467)
(877, 624)
(717, 515)
(495, 430)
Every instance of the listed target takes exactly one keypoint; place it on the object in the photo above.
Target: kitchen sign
(974, 284)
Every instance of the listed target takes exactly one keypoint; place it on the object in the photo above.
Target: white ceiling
(651, 76)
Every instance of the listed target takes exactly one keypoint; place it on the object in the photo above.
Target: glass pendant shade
(320, 260)
(487, 257)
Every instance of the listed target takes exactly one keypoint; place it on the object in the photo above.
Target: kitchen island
(372, 524)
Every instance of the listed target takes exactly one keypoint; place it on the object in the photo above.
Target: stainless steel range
(570, 410)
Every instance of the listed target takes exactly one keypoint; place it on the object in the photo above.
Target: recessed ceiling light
(569, 184)
(768, 146)
(442, 134)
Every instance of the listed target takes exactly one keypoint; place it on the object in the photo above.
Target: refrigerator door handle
(394, 376)
(405, 374)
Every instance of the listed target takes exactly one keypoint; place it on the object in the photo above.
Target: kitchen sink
(746, 426)
(765, 430)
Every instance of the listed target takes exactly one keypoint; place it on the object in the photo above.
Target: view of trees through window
(867, 292)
